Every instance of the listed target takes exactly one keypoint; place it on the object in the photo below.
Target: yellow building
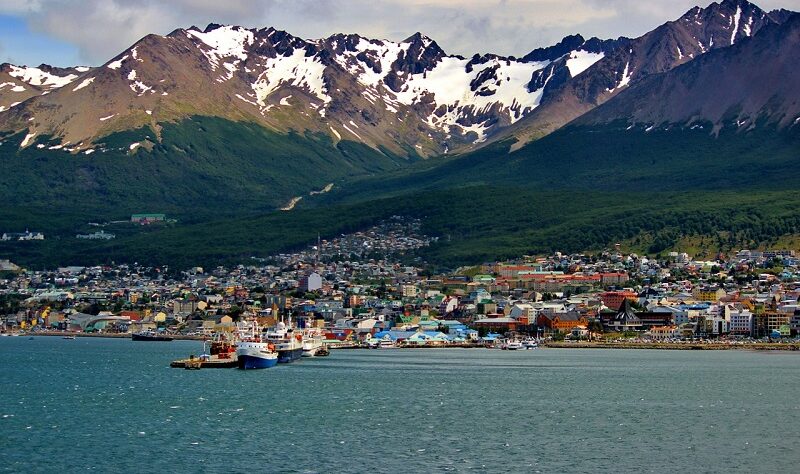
(711, 294)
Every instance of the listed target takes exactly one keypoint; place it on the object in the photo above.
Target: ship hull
(289, 355)
(254, 355)
(253, 362)
(311, 347)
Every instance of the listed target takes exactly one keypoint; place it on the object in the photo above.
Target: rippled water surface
(112, 405)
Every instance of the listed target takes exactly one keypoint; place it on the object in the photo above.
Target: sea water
(114, 405)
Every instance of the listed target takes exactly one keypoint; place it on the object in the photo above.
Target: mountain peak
(550, 53)
(418, 37)
(214, 26)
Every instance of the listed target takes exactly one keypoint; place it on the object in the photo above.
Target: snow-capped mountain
(18, 84)
(400, 95)
(698, 31)
(760, 88)
(407, 97)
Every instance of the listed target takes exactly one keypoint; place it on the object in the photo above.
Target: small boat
(150, 336)
(385, 343)
(323, 351)
(530, 344)
(514, 345)
(68, 337)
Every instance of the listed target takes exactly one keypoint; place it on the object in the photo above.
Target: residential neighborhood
(359, 288)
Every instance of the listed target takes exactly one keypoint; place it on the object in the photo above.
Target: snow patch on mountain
(83, 84)
(36, 77)
(451, 86)
(296, 70)
(118, 63)
(735, 21)
(748, 27)
(354, 133)
(626, 78)
(580, 61)
(27, 140)
(14, 87)
(224, 42)
(386, 52)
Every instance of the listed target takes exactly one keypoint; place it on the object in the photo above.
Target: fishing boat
(150, 336)
(288, 342)
(253, 351)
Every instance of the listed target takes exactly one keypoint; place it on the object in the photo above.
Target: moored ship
(313, 342)
(252, 354)
(288, 342)
(253, 351)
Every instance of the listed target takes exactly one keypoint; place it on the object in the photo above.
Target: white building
(311, 282)
(741, 321)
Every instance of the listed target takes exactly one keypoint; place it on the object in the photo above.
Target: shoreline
(710, 346)
(177, 337)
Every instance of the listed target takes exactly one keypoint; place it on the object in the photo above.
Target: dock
(197, 363)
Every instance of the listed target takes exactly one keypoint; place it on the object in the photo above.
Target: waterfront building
(740, 321)
(625, 319)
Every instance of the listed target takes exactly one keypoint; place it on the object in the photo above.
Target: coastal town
(365, 290)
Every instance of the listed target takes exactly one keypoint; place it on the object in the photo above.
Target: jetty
(213, 362)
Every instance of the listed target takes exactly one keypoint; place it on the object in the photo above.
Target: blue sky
(18, 45)
(90, 32)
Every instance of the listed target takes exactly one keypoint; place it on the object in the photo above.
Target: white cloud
(103, 28)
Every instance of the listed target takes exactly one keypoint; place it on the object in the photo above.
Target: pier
(199, 363)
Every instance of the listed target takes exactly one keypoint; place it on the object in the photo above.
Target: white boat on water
(384, 343)
(530, 344)
(313, 341)
(514, 345)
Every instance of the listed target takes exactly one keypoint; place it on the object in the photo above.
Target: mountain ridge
(397, 95)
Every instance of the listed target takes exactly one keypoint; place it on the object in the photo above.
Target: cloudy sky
(89, 32)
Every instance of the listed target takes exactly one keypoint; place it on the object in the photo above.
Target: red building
(614, 299)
